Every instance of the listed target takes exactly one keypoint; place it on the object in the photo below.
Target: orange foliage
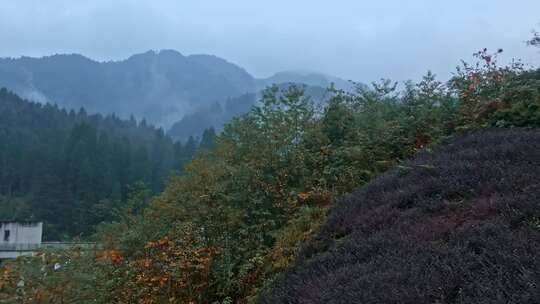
(167, 270)
(303, 195)
(110, 255)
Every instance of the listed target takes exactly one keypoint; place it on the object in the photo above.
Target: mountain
(159, 86)
(216, 115)
(308, 78)
(238, 77)
(459, 224)
(187, 94)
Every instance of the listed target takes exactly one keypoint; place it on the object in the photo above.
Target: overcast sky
(354, 39)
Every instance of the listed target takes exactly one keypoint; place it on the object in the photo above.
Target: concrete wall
(21, 233)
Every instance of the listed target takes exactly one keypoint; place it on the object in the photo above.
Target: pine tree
(208, 140)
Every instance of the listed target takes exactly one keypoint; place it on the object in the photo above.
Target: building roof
(25, 223)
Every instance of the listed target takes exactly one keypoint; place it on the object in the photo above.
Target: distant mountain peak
(153, 54)
(310, 78)
(161, 86)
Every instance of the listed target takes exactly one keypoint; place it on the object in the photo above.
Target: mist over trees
(183, 94)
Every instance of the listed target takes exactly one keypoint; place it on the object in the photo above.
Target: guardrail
(47, 245)
(67, 245)
(19, 247)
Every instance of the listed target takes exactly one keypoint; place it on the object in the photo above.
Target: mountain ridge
(162, 86)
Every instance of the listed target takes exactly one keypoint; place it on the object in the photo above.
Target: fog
(359, 40)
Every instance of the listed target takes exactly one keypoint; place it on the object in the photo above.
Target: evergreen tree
(208, 140)
(66, 167)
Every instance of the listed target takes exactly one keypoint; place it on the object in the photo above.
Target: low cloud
(352, 39)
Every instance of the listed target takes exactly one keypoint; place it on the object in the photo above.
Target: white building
(19, 238)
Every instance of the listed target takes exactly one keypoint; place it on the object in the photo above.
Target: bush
(459, 225)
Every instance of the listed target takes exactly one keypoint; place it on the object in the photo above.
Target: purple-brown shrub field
(459, 224)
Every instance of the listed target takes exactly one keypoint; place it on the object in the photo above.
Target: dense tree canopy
(71, 169)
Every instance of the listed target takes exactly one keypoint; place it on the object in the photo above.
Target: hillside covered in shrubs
(459, 224)
(246, 220)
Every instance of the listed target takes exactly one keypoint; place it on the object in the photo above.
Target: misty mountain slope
(161, 87)
(236, 75)
(458, 225)
(187, 94)
(216, 115)
(307, 78)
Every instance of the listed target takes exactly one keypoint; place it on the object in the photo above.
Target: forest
(73, 170)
